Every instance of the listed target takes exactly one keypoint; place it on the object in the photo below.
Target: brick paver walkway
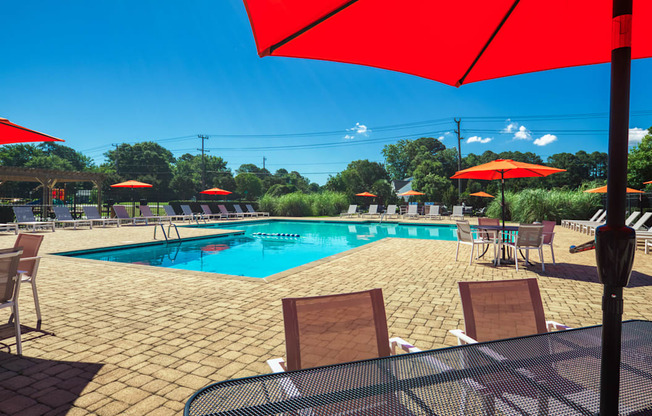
(139, 340)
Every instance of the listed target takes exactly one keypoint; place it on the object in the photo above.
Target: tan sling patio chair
(529, 237)
(28, 265)
(10, 288)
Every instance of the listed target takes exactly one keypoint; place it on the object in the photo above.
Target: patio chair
(65, 218)
(28, 265)
(465, 236)
(94, 216)
(10, 288)
(169, 211)
(458, 212)
(123, 216)
(25, 218)
(226, 214)
(208, 213)
(240, 213)
(146, 212)
(501, 309)
(373, 210)
(549, 236)
(257, 213)
(333, 329)
(412, 212)
(434, 212)
(590, 226)
(391, 211)
(9, 227)
(351, 212)
(528, 237)
(578, 225)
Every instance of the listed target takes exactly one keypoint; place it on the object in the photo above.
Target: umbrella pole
(502, 192)
(615, 244)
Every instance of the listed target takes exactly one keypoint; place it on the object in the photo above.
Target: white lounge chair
(373, 210)
(94, 216)
(351, 212)
(458, 212)
(257, 213)
(65, 218)
(240, 213)
(25, 218)
(412, 211)
(433, 212)
(391, 211)
(568, 223)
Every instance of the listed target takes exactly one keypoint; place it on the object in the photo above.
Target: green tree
(405, 155)
(248, 185)
(639, 164)
(359, 176)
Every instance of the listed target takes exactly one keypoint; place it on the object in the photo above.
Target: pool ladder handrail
(381, 217)
(168, 233)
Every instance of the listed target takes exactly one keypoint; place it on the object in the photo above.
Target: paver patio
(139, 340)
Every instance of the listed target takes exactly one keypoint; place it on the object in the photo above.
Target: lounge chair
(433, 212)
(465, 236)
(169, 211)
(391, 211)
(373, 210)
(123, 216)
(9, 227)
(29, 263)
(194, 215)
(25, 218)
(146, 212)
(10, 288)
(207, 213)
(458, 212)
(412, 212)
(351, 212)
(529, 237)
(240, 213)
(590, 228)
(226, 214)
(577, 225)
(65, 218)
(257, 213)
(94, 216)
(568, 223)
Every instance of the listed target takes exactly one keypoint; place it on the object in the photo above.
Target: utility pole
(459, 157)
(117, 155)
(203, 138)
(264, 159)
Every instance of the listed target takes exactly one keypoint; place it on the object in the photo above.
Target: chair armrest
(277, 365)
(399, 342)
(462, 338)
(556, 326)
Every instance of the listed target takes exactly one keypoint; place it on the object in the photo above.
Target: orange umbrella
(645, 183)
(366, 194)
(13, 133)
(411, 193)
(215, 191)
(603, 190)
(132, 185)
(483, 194)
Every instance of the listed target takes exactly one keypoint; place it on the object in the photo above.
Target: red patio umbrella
(482, 194)
(603, 190)
(411, 193)
(477, 40)
(366, 194)
(13, 133)
(132, 184)
(215, 191)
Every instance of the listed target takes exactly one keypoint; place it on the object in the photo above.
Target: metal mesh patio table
(556, 373)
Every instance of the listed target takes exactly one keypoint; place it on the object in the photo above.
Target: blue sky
(106, 72)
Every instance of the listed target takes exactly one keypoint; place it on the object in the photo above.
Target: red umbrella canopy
(477, 39)
(13, 133)
(482, 194)
(603, 190)
(411, 193)
(366, 194)
(215, 191)
(131, 184)
(505, 168)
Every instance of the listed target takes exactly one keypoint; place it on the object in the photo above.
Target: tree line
(426, 160)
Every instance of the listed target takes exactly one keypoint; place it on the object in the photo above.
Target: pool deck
(139, 340)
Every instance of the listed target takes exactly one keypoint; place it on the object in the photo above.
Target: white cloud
(440, 138)
(636, 135)
(545, 140)
(510, 127)
(523, 134)
(349, 137)
(478, 139)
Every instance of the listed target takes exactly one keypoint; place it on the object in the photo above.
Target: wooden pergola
(48, 178)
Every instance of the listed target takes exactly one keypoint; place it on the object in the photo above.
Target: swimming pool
(256, 255)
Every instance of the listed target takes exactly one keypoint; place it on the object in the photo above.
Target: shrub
(298, 204)
(295, 204)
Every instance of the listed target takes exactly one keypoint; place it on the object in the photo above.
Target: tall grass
(539, 204)
(298, 204)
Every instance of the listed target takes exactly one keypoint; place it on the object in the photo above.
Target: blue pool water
(255, 255)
